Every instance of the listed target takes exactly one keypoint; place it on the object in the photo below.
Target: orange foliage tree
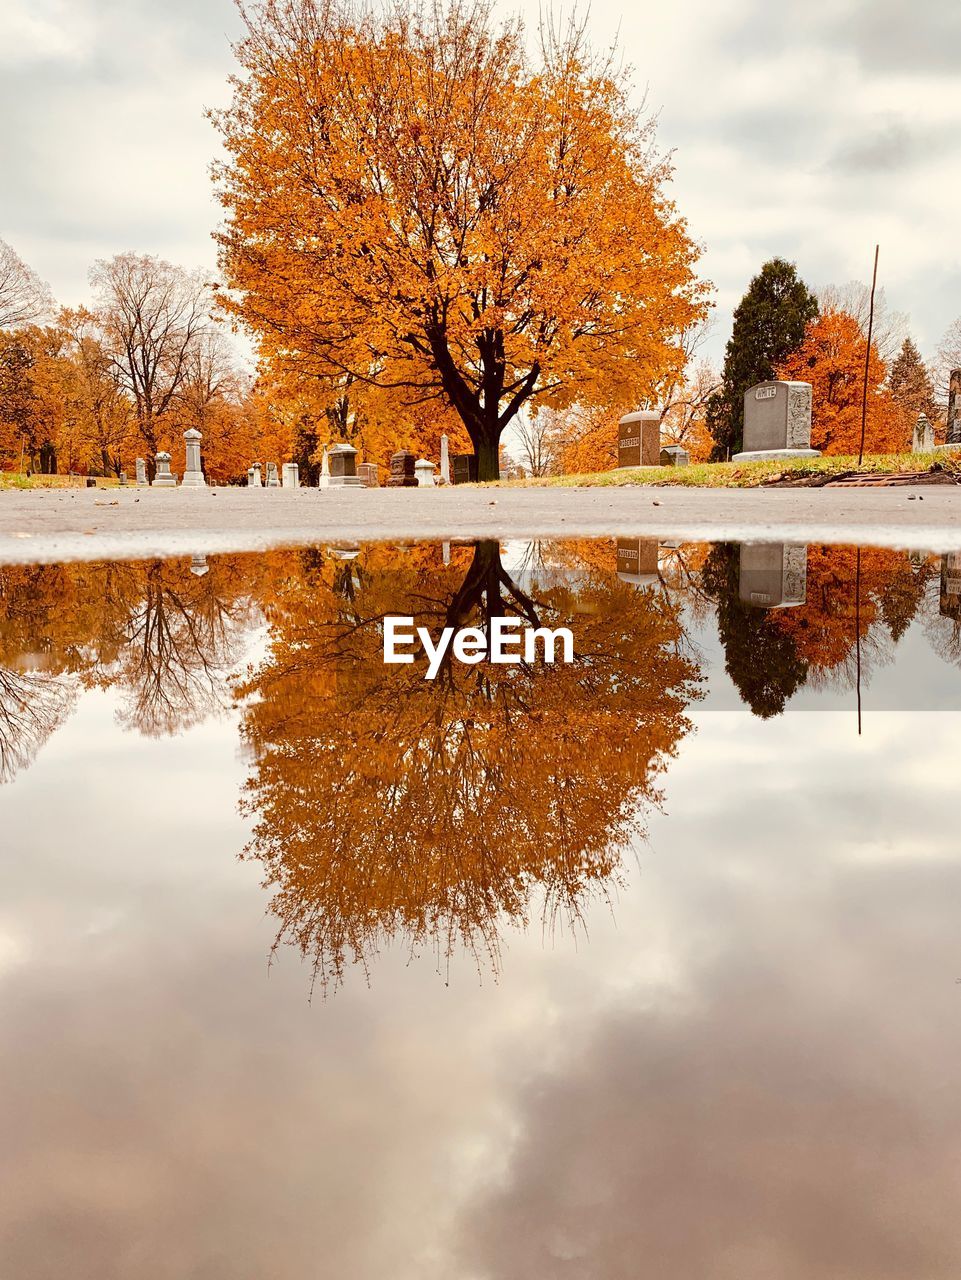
(415, 203)
(831, 358)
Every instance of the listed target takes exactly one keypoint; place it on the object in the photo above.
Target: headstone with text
(777, 422)
(291, 475)
(402, 470)
(773, 575)
(639, 439)
(637, 561)
(368, 472)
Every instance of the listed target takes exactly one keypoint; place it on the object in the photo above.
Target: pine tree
(911, 387)
(769, 324)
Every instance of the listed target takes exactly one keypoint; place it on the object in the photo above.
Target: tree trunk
(487, 451)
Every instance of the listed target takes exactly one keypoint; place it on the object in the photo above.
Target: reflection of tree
(32, 705)
(761, 660)
(393, 807)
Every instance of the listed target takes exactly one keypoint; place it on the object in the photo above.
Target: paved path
(45, 525)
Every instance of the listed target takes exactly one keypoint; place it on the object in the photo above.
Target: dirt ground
(48, 525)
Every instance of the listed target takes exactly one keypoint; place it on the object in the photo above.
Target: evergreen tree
(769, 325)
(911, 387)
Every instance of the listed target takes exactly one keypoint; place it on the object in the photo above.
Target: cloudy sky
(811, 130)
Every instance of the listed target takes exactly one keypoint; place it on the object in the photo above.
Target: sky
(808, 130)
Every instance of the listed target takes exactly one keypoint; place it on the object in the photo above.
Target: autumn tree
(832, 359)
(414, 200)
(911, 388)
(24, 297)
(769, 324)
(153, 317)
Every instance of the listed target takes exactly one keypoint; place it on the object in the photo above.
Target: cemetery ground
(46, 525)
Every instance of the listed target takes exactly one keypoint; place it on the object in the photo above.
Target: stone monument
(162, 477)
(951, 586)
(637, 561)
(198, 565)
(193, 474)
(368, 473)
(444, 461)
(464, 468)
(424, 471)
(673, 455)
(402, 470)
(639, 439)
(343, 467)
(777, 422)
(923, 441)
(272, 481)
(123, 478)
(291, 474)
(254, 478)
(952, 440)
(773, 575)
(141, 473)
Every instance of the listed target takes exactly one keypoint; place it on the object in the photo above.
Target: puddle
(312, 965)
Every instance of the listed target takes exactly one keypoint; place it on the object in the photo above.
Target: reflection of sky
(746, 1071)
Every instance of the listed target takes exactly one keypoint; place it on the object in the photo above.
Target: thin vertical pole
(867, 358)
(857, 624)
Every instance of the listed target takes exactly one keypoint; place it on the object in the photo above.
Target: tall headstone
(402, 470)
(272, 480)
(291, 475)
(254, 478)
(637, 561)
(162, 477)
(639, 439)
(424, 472)
(193, 473)
(777, 422)
(323, 481)
(773, 575)
(141, 473)
(923, 440)
(444, 461)
(343, 467)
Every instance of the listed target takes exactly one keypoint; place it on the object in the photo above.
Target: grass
(13, 480)
(751, 475)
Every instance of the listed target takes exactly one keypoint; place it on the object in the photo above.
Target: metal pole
(867, 358)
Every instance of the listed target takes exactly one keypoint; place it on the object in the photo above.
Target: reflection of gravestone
(368, 473)
(464, 468)
(777, 422)
(193, 472)
(773, 575)
(272, 480)
(198, 565)
(343, 467)
(639, 439)
(953, 435)
(141, 473)
(424, 471)
(637, 561)
(923, 440)
(951, 585)
(291, 475)
(402, 470)
(673, 455)
(162, 478)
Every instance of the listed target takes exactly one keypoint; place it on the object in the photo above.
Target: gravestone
(291, 475)
(343, 467)
(402, 470)
(639, 439)
(777, 422)
(254, 478)
(272, 481)
(123, 479)
(952, 440)
(444, 461)
(951, 586)
(773, 575)
(162, 477)
(198, 565)
(637, 561)
(193, 474)
(464, 468)
(141, 473)
(673, 455)
(424, 471)
(368, 473)
(923, 440)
